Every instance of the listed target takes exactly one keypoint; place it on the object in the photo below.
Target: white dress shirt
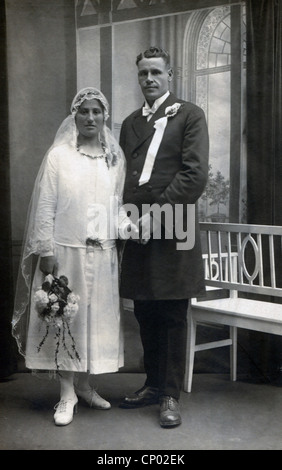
(149, 111)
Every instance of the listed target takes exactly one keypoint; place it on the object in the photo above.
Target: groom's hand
(145, 228)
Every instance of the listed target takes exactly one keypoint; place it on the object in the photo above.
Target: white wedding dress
(80, 198)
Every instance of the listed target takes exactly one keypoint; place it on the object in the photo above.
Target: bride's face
(90, 118)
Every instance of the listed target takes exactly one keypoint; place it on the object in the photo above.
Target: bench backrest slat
(272, 261)
(241, 257)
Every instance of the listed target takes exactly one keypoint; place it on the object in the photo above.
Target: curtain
(264, 108)
(278, 114)
(168, 32)
(7, 345)
(264, 167)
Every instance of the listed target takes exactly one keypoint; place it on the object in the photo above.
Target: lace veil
(66, 134)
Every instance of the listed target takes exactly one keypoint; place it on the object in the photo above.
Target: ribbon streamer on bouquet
(160, 126)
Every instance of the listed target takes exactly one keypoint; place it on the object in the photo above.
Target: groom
(166, 148)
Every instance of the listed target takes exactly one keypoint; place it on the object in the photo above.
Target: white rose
(53, 297)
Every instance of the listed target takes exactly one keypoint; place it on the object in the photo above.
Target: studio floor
(217, 415)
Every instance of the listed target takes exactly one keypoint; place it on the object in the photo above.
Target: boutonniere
(171, 111)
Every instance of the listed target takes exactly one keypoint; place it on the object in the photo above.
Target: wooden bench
(244, 261)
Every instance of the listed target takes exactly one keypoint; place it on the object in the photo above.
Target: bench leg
(233, 353)
(190, 352)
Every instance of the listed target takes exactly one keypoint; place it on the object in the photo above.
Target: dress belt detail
(96, 244)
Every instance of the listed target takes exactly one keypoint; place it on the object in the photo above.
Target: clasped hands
(141, 232)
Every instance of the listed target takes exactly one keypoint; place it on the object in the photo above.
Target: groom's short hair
(154, 51)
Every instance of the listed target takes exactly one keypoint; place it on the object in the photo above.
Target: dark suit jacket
(158, 270)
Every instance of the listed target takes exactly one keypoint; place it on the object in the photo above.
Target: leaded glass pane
(214, 34)
(222, 59)
(212, 60)
(217, 45)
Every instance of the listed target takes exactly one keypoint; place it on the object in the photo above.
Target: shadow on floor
(217, 415)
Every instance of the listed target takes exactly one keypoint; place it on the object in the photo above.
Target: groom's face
(153, 76)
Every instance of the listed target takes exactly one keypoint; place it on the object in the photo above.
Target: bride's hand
(47, 264)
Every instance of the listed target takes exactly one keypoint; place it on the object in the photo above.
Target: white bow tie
(147, 111)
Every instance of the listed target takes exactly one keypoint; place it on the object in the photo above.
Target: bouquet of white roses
(57, 305)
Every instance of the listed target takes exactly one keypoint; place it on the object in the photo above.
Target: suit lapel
(139, 124)
(161, 111)
(145, 129)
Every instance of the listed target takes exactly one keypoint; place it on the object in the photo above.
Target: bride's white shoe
(64, 411)
(93, 399)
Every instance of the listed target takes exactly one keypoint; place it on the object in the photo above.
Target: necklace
(101, 155)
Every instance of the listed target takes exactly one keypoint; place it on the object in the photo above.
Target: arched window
(218, 85)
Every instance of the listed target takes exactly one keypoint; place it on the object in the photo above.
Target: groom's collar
(157, 103)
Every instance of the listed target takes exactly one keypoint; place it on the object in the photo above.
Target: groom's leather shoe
(169, 412)
(143, 397)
